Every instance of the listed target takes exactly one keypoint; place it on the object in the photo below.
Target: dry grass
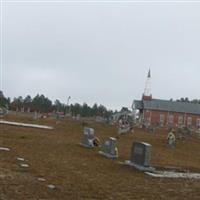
(80, 173)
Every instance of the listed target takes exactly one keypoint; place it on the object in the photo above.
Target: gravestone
(35, 115)
(88, 137)
(108, 148)
(78, 117)
(140, 156)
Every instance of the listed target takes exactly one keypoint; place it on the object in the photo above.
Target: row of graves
(139, 157)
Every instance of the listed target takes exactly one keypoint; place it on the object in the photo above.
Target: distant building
(166, 113)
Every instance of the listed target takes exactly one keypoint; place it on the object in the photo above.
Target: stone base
(139, 167)
(85, 145)
(167, 174)
(123, 131)
(108, 155)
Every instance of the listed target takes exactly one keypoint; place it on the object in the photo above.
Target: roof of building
(171, 106)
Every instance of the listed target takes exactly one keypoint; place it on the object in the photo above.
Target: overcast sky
(101, 52)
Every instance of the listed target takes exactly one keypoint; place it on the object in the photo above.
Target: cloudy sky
(100, 52)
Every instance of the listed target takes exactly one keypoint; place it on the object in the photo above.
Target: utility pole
(68, 104)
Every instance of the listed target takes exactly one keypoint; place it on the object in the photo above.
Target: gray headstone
(88, 137)
(140, 153)
(140, 156)
(78, 117)
(108, 148)
(35, 115)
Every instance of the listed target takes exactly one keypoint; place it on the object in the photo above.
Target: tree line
(186, 99)
(43, 104)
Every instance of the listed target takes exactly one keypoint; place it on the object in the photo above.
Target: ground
(80, 173)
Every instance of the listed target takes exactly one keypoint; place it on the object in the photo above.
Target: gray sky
(101, 52)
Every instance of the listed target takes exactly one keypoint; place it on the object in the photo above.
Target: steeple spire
(147, 91)
(149, 74)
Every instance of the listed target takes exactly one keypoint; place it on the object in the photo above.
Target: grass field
(80, 173)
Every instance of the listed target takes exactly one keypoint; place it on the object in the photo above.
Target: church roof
(170, 106)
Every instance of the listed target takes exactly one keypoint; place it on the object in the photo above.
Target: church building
(166, 113)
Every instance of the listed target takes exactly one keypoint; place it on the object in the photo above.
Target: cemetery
(36, 164)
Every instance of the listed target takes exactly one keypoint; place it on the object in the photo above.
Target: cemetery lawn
(80, 173)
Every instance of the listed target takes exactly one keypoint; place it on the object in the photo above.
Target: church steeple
(147, 91)
(149, 74)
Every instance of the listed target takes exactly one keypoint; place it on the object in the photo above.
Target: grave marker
(108, 148)
(140, 156)
(35, 115)
(88, 137)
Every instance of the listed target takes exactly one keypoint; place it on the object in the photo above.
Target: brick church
(166, 113)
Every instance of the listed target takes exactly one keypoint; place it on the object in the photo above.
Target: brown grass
(80, 173)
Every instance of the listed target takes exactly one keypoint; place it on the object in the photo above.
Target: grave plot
(140, 156)
(108, 148)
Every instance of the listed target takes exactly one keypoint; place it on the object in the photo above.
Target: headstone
(140, 156)
(108, 148)
(124, 127)
(35, 115)
(88, 137)
(78, 117)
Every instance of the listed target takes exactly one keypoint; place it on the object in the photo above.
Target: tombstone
(88, 137)
(140, 156)
(35, 115)
(78, 117)
(124, 127)
(108, 148)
